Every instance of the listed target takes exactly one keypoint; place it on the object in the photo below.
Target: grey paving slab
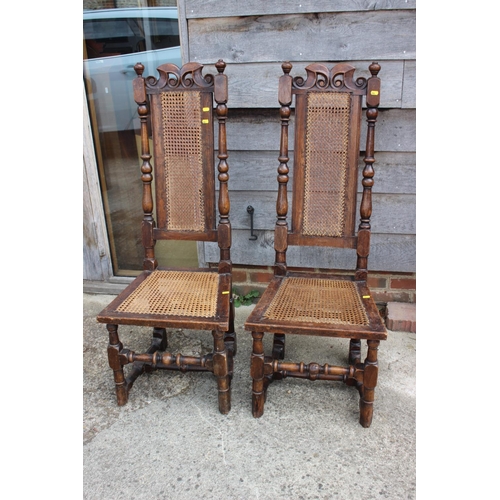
(170, 441)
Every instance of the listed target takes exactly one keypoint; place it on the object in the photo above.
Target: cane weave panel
(175, 293)
(325, 175)
(317, 300)
(181, 114)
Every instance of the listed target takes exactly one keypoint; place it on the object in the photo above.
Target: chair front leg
(114, 349)
(221, 372)
(257, 374)
(369, 383)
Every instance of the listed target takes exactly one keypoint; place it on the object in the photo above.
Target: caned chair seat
(166, 297)
(316, 305)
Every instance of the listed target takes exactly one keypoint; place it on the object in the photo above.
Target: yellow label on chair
(206, 109)
(204, 121)
(225, 293)
(366, 296)
(374, 92)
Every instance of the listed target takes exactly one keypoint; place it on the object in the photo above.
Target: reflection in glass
(114, 41)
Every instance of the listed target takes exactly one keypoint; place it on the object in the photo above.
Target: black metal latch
(251, 210)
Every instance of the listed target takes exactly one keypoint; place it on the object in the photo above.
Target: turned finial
(286, 67)
(139, 69)
(220, 65)
(374, 68)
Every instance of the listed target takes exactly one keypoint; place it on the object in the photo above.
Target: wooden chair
(179, 107)
(328, 110)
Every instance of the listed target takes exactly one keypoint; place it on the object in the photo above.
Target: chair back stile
(281, 229)
(149, 263)
(364, 230)
(224, 228)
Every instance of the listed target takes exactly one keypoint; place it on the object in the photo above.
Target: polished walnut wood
(326, 144)
(177, 111)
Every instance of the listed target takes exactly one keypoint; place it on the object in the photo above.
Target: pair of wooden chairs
(177, 108)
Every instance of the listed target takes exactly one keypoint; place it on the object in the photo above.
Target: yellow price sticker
(366, 296)
(225, 292)
(206, 109)
(204, 121)
(374, 92)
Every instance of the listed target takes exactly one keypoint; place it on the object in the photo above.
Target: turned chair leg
(221, 372)
(257, 374)
(114, 348)
(369, 383)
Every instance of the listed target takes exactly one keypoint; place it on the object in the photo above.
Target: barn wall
(254, 37)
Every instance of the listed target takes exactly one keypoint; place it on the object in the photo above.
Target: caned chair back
(328, 113)
(179, 105)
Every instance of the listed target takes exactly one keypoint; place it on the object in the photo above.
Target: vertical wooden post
(257, 374)
(370, 376)
(224, 228)
(114, 348)
(372, 102)
(281, 229)
(148, 222)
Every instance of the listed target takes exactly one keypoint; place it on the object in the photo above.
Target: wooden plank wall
(254, 37)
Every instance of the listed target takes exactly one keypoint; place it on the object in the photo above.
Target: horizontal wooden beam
(224, 8)
(255, 85)
(257, 171)
(259, 129)
(388, 252)
(379, 35)
(392, 213)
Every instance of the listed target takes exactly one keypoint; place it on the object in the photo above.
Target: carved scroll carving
(340, 77)
(187, 77)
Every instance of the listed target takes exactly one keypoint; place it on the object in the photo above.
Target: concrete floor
(170, 441)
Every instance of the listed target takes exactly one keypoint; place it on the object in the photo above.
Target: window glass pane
(114, 41)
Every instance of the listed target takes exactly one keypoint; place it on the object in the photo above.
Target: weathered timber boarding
(96, 253)
(254, 37)
(222, 8)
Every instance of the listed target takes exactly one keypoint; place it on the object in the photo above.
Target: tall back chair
(179, 106)
(328, 111)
